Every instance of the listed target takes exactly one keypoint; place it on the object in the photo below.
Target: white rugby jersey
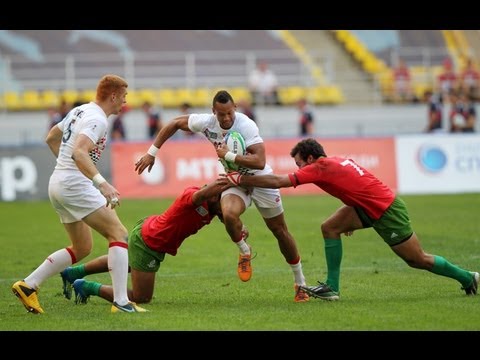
(88, 119)
(208, 125)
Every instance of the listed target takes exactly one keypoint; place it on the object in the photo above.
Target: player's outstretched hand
(225, 182)
(233, 177)
(145, 161)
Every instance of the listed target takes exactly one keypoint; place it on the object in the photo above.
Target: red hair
(108, 85)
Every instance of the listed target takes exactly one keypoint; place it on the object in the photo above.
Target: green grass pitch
(199, 289)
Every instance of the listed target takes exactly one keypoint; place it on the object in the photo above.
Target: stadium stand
(423, 52)
(473, 39)
(39, 67)
(165, 67)
(458, 47)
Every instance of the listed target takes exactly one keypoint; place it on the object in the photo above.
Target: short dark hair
(222, 97)
(308, 147)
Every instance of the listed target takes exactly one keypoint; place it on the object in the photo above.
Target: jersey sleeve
(197, 122)
(187, 196)
(65, 120)
(306, 175)
(61, 124)
(293, 179)
(94, 128)
(252, 138)
(249, 131)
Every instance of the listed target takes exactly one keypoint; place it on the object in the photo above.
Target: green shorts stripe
(393, 226)
(140, 256)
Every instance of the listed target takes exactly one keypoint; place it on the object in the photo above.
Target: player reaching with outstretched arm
(235, 200)
(150, 239)
(368, 203)
(82, 198)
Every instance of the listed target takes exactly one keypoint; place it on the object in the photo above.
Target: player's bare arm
(264, 181)
(82, 159)
(208, 191)
(254, 159)
(54, 140)
(267, 181)
(167, 131)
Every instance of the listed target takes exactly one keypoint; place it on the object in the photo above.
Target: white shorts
(267, 201)
(73, 195)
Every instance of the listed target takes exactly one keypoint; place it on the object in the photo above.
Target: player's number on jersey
(68, 131)
(355, 166)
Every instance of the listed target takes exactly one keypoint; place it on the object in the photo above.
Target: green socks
(76, 272)
(442, 267)
(91, 288)
(333, 255)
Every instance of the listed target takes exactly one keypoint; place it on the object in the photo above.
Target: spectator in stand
(154, 120)
(54, 117)
(447, 81)
(245, 107)
(435, 112)
(306, 118)
(185, 108)
(263, 85)
(57, 115)
(402, 83)
(117, 132)
(462, 115)
(470, 80)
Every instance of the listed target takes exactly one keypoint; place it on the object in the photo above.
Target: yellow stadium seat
(361, 54)
(31, 100)
(294, 94)
(342, 35)
(184, 95)
(283, 96)
(241, 93)
(201, 98)
(334, 95)
(133, 99)
(168, 98)
(317, 95)
(419, 89)
(87, 95)
(148, 95)
(373, 66)
(385, 79)
(12, 101)
(50, 99)
(70, 96)
(352, 45)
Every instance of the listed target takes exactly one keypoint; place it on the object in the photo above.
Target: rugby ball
(235, 144)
